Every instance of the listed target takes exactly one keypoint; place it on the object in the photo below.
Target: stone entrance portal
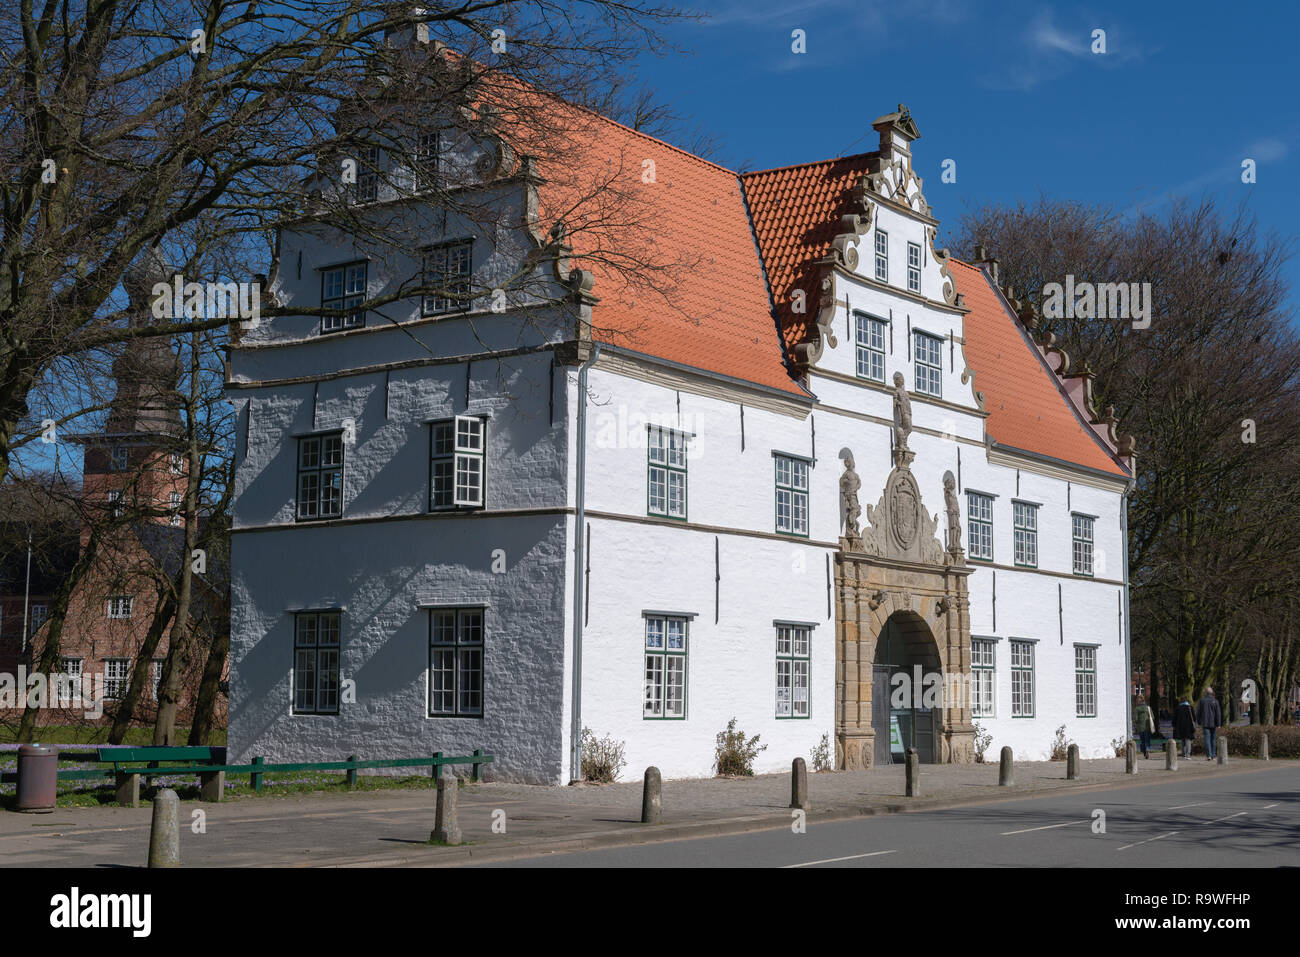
(900, 595)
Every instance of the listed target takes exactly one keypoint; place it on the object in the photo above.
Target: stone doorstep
(660, 833)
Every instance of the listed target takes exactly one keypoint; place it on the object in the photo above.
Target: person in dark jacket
(1143, 725)
(1209, 717)
(1185, 726)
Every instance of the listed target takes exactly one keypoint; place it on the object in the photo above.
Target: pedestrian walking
(1185, 726)
(1209, 716)
(1143, 725)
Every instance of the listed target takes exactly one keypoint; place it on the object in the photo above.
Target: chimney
(986, 262)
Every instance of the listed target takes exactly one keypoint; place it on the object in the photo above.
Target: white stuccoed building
(459, 527)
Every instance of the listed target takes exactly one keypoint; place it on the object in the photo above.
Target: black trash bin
(38, 776)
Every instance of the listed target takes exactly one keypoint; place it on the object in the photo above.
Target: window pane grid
(913, 267)
(665, 668)
(791, 495)
(447, 270)
(1085, 681)
(871, 348)
(456, 662)
(666, 478)
(344, 287)
(320, 476)
(793, 644)
(1022, 679)
(882, 255)
(316, 663)
(929, 364)
(1082, 544)
(1025, 520)
(979, 519)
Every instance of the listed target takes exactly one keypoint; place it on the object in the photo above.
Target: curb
(664, 833)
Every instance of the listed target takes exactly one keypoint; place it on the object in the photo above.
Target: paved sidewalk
(389, 828)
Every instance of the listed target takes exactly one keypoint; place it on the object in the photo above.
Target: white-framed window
(119, 458)
(320, 476)
(791, 495)
(120, 606)
(1025, 522)
(456, 662)
(428, 160)
(36, 616)
(1022, 679)
(1085, 681)
(344, 287)
(117, 674)
(983, 677)
(665, 667)
(666, 472)
(929, 364)
(176, 461)
(114, 503)
(1082, 542)
(871, 348)
(367, 174)
(979, 525)
(69, 679)
(316, 642)
(447, 269)
(882, 255)
(456, 465)
(155, 676)
(793, 654)
(174, 503)
(914, 267)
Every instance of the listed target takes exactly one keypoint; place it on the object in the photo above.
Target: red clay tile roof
(796, 213)
(706, 304)
(1027, 409)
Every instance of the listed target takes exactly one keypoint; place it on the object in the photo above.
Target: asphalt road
(1241, 820)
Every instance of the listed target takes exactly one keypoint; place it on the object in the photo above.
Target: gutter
(579, 549)
(1128, 632)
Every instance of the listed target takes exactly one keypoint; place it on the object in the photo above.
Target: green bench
(126, 770)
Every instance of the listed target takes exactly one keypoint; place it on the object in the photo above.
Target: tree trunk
(206, 702)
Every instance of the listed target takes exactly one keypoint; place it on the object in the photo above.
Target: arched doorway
(905, 671)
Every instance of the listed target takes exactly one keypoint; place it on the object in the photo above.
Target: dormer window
(118, 458)
(882, 255)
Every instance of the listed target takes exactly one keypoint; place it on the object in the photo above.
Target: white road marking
(1197, 804)
(1267, 806)
(833, 860)
(1045, 827)
(1226, 816)
(1148, 840)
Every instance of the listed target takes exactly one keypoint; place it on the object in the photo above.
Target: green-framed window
(320, 476)
(456, 662)
(793, 662)
(666, 472)
(983, 675)
(871, 347)
(316, 662)
(882, 255)
(791, 495)
(1082, 529)
(979, 525)
(1085, 681)
(913, 267)
(929, 364)
(1022, 679)
(665, 667)
(343, 287)
(1025, 522)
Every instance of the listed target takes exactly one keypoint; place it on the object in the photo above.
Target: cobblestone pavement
(391, 827)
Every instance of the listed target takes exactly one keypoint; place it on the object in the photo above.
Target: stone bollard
(1221, 745)
(1006, 769)
(1072, 763)
(652, 798)
(1263, 745)
(799, 784)
(1171, 755)
(446, 820)
(1130, 757)
(913, 773)
(165, 832)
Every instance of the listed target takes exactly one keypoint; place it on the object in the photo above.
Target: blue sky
(1013, 93)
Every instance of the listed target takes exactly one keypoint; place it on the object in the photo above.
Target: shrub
(602, 759)
(1060, 746)
(821, 755)
(982, 741)
(735, 755)
(1243, 740)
